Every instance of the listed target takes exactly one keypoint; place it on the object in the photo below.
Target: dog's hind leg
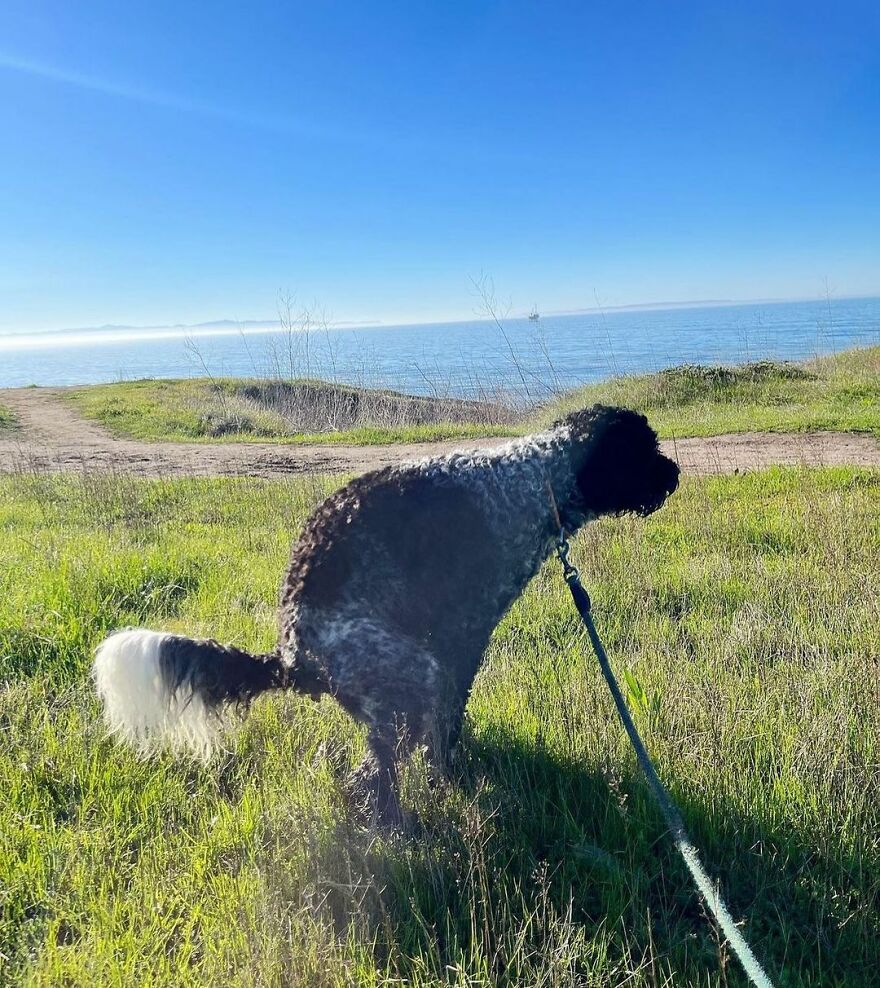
(373, 786)
(386, 681)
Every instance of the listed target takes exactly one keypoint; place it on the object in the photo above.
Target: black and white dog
(392, 592)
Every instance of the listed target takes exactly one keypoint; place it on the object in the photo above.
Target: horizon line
(269, 325)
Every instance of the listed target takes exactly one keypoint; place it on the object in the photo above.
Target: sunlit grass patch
(744, 624)
(838, 392)
(302, 412)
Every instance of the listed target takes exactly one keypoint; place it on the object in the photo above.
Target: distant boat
(534, 315)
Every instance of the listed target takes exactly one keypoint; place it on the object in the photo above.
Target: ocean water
(526, 359)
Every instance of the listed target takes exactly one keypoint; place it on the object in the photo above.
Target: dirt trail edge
(51, 436)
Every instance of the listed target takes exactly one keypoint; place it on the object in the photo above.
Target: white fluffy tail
(140, 704)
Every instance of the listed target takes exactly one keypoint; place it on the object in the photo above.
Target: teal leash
(671, 813)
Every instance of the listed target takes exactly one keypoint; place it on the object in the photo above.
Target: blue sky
(172, 162)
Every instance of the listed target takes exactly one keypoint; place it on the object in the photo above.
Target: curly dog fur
(393, 591)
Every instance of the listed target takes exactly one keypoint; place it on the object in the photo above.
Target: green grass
(839, 392)
(742, 612)
(211, 411)
(7, 419)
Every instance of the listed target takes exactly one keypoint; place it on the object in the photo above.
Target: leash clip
(569, 571)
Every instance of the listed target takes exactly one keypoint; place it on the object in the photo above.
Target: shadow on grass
(527, 869)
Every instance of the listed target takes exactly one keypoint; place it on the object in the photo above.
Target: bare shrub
(284, 396)
(310, 406)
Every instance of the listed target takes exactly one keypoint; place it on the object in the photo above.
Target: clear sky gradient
(172, 162)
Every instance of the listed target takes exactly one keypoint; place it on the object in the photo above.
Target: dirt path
(52, 436)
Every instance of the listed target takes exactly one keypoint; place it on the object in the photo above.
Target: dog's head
(617, 462)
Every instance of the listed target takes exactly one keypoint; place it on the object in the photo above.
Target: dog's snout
(668, 474)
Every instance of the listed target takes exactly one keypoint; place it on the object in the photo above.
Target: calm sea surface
(453, 358)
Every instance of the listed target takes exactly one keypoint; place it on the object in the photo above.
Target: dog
(392, 593)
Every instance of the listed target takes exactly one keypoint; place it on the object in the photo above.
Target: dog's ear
(618, 463)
